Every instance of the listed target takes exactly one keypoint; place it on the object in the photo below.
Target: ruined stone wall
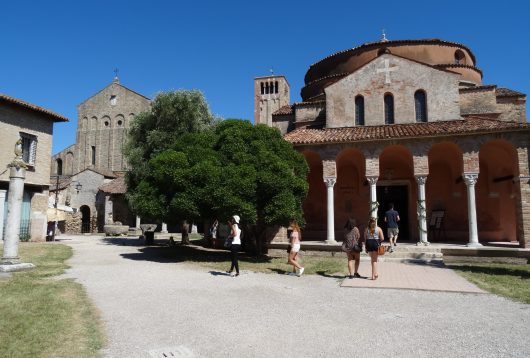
(72, 223)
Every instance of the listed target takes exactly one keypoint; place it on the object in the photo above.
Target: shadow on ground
(492, 270)
(163, 253)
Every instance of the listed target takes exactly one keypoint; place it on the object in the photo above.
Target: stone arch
(396, 184)
(84, 124)
(94, 123)
(69, 163)
(496, 199)
(350, 191)
(446, 191)
(119, 121)
(106, 122)
(315, 203)
(86, 219)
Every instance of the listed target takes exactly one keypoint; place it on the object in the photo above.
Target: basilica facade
(407, 122)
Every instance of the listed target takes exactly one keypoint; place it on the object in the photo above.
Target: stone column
(109, 218)
(422, 209)
(471, 180)
(138, 221)
(372, 180)
(10, 260)
(330, 183)
(164, 228)
(2, 200)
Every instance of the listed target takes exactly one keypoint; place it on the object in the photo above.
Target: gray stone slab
(16, 267)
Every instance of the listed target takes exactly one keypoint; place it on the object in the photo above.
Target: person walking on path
(294, 241)
(373, 239)
(392, 219)
(235, 236)
(353, 246)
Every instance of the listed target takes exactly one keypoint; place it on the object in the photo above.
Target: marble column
(14, 210)
(2, 200)
(372, 180)
(422, 209)
(470, 180)
(138, 221)
(330, 183)
(109, 217)
(164, 228)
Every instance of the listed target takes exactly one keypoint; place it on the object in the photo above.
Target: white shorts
(295, 247)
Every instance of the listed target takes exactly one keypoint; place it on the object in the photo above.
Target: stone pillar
(138, 221)
(471, 180)
(422, 209)
(10, 260)
(330, 183)
(372, 180)
(109, 219)
(2, 200)
(164, 228)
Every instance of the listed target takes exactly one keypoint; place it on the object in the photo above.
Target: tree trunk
(185, 233)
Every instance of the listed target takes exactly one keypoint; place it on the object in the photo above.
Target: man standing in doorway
(392, 219)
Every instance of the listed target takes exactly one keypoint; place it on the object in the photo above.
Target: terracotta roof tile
(506, 92)
(470, 125)
(117, 186)
(55, 116)
(287, 109)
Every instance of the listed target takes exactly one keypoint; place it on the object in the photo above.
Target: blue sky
(58, 53)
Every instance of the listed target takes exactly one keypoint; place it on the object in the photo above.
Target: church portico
(411, 126)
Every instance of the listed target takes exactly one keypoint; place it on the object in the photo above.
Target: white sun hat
(236, 218)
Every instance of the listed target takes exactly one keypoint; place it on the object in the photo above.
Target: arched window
(262, 88)
(276, 87)
(267, 88)
(359, 111)
(59, 167)
(389, 109)
(460, 57)
(420, 103)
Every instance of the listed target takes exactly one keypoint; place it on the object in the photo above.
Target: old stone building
(96, 159)
(408, 122)
(34, 125)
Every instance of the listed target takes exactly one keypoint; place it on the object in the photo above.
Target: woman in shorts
(294, 241)
(352, 246)
(373, 238)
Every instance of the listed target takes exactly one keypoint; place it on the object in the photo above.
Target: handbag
(381, 250)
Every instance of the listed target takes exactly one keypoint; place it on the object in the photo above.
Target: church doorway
(399, 196)
(85, 219)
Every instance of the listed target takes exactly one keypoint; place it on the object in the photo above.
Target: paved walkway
(415, 276)
(151, 306)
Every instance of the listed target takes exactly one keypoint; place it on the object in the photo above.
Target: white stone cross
(387, 70)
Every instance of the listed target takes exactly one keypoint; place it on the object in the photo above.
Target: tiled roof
(506, 92)
(469, 125)
(287, 109)
(117, 186)
(55, 116)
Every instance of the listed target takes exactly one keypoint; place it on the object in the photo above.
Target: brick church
(407, 122)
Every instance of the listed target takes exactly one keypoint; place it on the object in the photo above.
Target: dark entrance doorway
(398, 195)
(85, 219)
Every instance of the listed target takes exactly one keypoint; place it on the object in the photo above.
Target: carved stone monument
(17, 173)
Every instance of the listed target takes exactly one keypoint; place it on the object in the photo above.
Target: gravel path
(151, 307)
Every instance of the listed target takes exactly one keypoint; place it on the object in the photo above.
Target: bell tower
(270, 94)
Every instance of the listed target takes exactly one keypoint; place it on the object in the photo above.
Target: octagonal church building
(407, 122)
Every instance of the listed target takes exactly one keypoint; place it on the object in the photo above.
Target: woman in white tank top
(235, 236)
(373, 238)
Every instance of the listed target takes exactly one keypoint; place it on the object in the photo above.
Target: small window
(460, 57)
(106, 123)
(276, 87)
(113, 100)
(93, 155)
(120, 122)
(59, 167)
(359, 111)
(262, 88)
(389, 109)
(29, 148)
(420, 103)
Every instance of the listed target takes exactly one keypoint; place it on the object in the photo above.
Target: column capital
(470, 178)
(330, 181)
(421, 179)
(372, 180)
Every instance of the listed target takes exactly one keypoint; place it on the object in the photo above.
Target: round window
(120, 122)
(106, 123)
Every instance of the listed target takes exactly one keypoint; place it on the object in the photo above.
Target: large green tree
(233, 168)
(171, 115)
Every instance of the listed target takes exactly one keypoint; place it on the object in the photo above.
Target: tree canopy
(234, 168)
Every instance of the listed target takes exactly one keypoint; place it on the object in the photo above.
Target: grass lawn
(512, 281)
(41, 316)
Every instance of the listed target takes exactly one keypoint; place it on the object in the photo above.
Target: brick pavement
(414, 276)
